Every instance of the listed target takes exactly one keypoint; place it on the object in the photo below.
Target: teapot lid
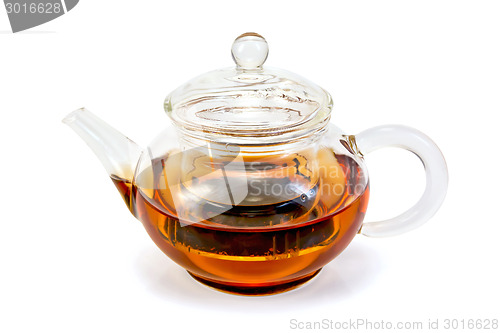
(249, 101)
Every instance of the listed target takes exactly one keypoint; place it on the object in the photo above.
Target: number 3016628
(471, 324)
(27, 8)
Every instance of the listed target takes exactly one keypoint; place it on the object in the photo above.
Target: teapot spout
(117, 153)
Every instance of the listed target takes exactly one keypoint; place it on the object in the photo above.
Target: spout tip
(71, 117)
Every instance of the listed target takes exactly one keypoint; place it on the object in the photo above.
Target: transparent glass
(252, 191)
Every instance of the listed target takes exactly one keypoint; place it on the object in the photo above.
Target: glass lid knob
(250, 51)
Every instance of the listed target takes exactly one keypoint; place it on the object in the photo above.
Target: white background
(73, 259)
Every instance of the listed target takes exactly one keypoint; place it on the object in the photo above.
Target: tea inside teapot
(296, 208)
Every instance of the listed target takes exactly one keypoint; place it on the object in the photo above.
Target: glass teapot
(253, 191)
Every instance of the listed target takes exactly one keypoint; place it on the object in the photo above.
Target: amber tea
(264, 244)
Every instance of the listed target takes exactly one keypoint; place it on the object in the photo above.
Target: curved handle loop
(435, 170)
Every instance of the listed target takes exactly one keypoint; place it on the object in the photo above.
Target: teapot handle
(435, 170)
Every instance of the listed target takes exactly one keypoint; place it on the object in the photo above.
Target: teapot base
(248, 289)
